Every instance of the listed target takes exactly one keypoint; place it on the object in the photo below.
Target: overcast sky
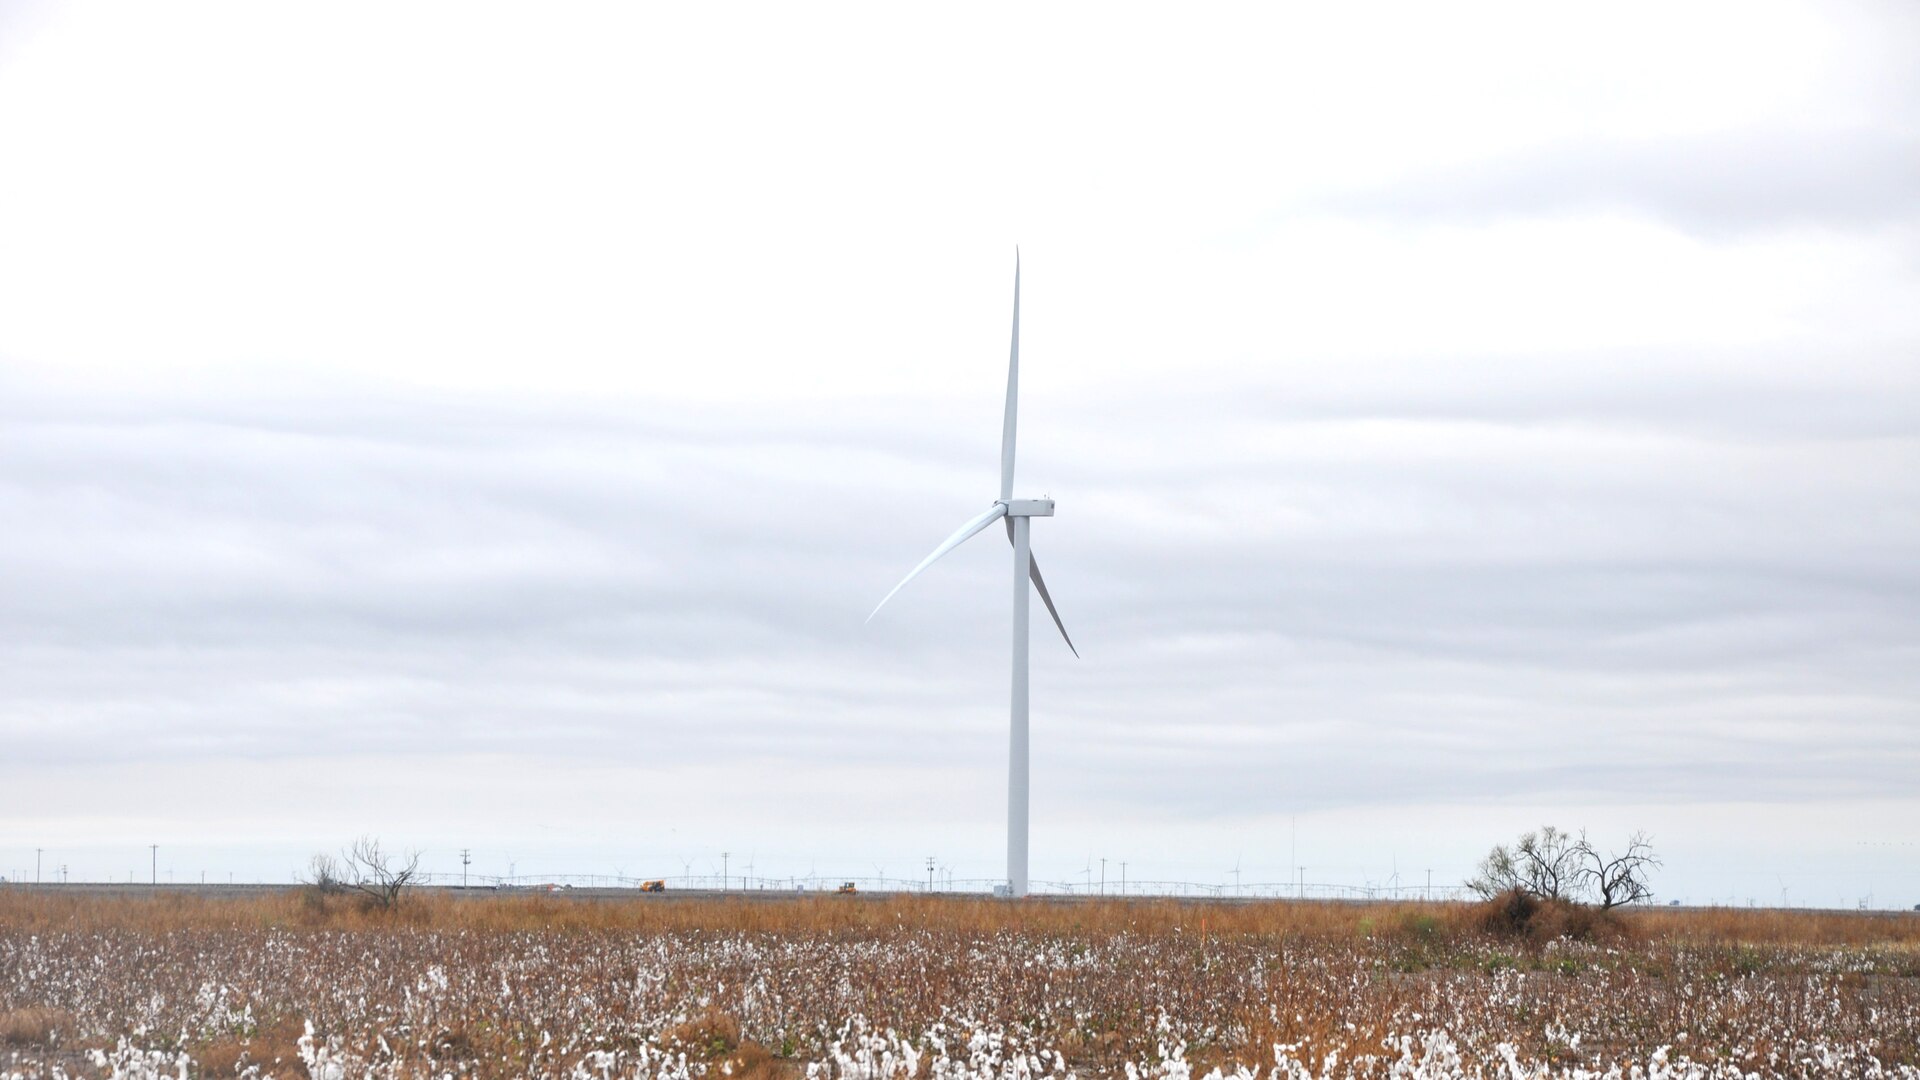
(488, 427)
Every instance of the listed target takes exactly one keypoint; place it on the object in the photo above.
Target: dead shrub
(1580, 922)
(222, 1057)
(34, 1026)
(268, 1045)
(1519, 915)
(751, 1061)
(1508, 914)
(449, 1043)
(707, 1037)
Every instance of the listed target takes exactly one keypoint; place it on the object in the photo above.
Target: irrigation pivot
(1018, 515)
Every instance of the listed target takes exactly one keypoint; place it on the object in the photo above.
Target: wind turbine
(1018, 515)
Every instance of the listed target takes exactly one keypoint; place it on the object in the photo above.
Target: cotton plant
(913, 1002)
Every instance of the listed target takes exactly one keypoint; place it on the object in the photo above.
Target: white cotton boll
(1511, 1056)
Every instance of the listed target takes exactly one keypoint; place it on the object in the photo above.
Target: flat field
(290, 985)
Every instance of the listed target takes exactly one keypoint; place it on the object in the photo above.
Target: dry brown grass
(33, 1026)
(711, 1035)
(274, 1043)
(714, 1037)
(29, 910)
(1763, 926)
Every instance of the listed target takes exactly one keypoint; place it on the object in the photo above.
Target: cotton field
(913, 992)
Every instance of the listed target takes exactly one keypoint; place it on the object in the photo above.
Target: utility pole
(723, 870)
(929, 875)
(466, 859)
(155, 848)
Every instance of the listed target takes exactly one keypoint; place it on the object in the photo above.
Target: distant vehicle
(653, 886)
(847, 887)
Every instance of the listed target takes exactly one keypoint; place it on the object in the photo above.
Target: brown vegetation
(1520, 915)
(228, 1054)
(33, 1026)
(26, 909)
(531, 985)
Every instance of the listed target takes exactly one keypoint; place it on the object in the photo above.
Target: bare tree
(1544, 864)
(323, 875)
(379, 876)
(367, 870)
(1614, 880)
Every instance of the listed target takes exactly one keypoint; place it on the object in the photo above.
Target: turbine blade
(1040, 586)
(1013, 391)
(959, 536)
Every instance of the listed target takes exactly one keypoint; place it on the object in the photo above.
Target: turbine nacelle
(1028, 507)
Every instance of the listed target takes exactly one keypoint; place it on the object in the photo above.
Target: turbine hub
(1029, 507)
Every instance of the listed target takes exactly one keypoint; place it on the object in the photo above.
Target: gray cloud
(1720, 185)
(1554, 505)
(1425, 607)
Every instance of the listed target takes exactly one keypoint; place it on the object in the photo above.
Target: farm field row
(288, 986)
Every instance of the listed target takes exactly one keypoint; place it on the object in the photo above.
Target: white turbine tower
(1018, 514)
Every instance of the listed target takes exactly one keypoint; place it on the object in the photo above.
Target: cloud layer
(1485, 427)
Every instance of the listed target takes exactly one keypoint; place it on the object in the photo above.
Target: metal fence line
(739, 883)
